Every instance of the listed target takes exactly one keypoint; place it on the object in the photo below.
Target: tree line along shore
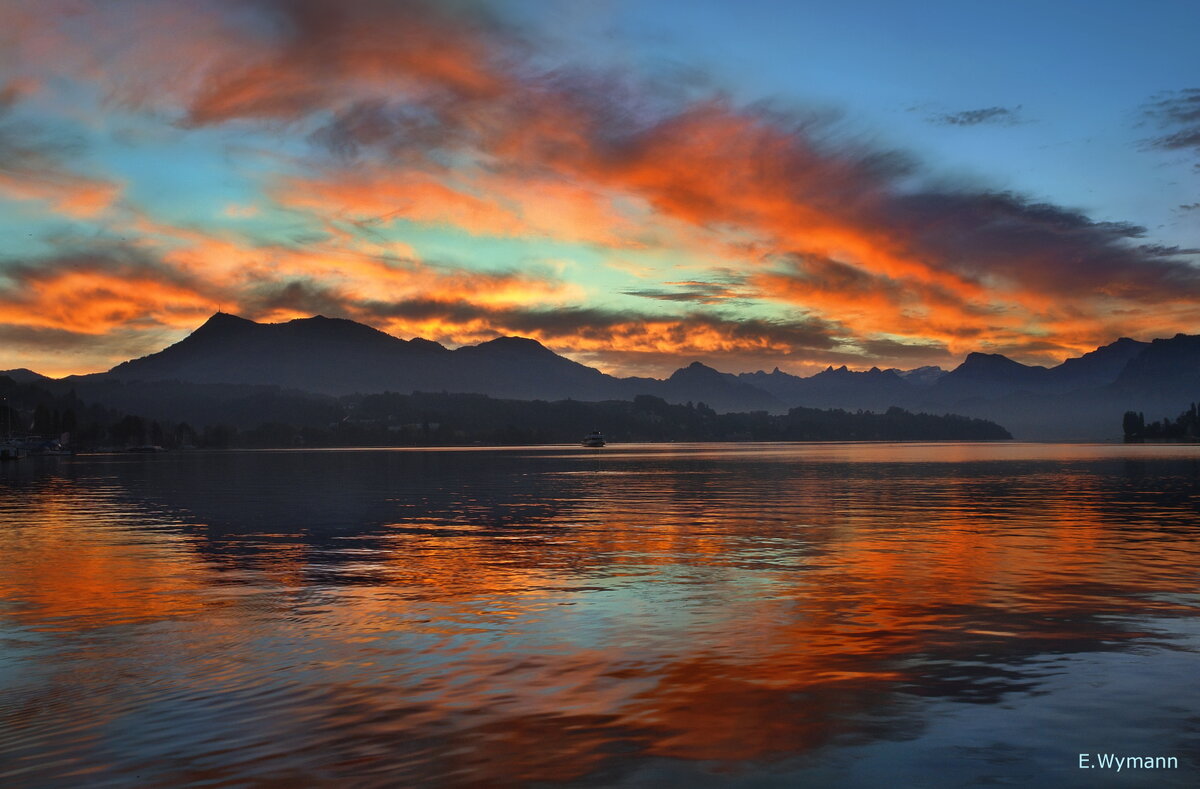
(1185, 427)
(264, 417)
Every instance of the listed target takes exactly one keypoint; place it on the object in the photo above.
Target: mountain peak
(835, 372)
(24, 375)
(697, 371)
(1101, 366)
(324, 320)
(515, 345)
(220, 324)
(979, 357)
(219, 318)
(977, 360)
(339, 328)
(1176, 360)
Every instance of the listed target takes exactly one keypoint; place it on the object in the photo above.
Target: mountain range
(1081, 399)
(337, 357)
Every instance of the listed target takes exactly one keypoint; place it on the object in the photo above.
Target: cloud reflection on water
(506, 617)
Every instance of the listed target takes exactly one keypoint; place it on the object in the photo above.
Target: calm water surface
(702, 615)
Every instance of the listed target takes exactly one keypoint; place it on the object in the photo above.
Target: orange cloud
(719, 170)
(355, 272)
(484, 205)
(97, 302)
(437, 114)
(65, 193)
(403, 48)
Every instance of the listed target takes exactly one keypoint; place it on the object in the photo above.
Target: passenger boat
(11, 451)
(593, 439)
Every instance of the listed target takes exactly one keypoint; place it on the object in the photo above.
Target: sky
(637, 185)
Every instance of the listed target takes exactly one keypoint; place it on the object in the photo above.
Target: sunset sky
(636, 184)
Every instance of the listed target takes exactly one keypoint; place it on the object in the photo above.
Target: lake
(643, 615)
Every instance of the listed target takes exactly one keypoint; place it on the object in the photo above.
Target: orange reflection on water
(548, 624)
(70, 565)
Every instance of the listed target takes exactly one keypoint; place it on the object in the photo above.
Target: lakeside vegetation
(1185, 427)
(451, 418)
(442, 419)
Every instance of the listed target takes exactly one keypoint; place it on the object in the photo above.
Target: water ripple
(673, 614)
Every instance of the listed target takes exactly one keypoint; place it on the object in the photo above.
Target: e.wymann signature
(1110, 761)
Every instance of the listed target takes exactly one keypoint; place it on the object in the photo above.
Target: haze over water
(824, 614)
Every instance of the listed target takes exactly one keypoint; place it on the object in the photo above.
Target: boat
(593, 439)
(36, 445)
(10, 451)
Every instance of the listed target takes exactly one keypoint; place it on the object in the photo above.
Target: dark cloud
(398, 130)
(716, 166)
(1163, 250)
(299, 295)
(82, 256)
(997, 116)
(39, 164)
(1187, 139)
(120, 300)
(1047, 353)
(832, 276)
(10, 93)
(824, 279)
(702, 296)
(891, 350)
(883, 353)
(1177, 115)
(45, 338)
(696, 292)
(1176, 107)
(443, 94)
(43, 345)
(27, 147)
(318, 54)
(757, 169)
(569, 323)
(1039, 246)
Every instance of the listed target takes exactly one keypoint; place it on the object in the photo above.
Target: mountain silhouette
(318, 354)
(22, 375)
(986, 375)
(336, 357)
(874, 389)
(719, 391)
(1082, 398)
(1095, 368)
(1169, 367)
